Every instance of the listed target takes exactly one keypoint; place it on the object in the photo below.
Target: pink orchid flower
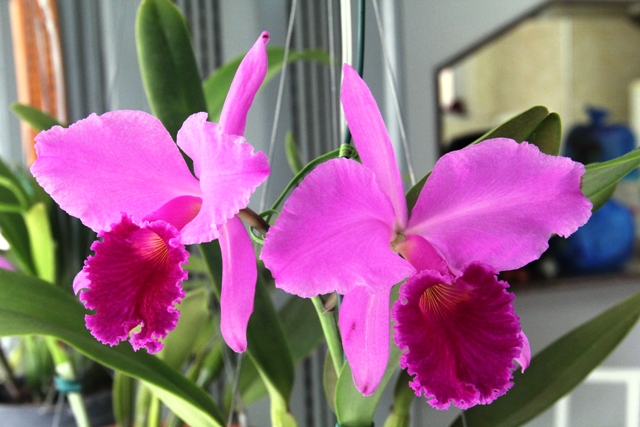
(123, 176)
(489, 207)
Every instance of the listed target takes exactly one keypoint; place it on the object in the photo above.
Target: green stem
(300, 175)
(64, 369)
(330, 329)
(9, 382)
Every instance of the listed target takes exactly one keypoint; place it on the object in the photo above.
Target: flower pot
(99, 407)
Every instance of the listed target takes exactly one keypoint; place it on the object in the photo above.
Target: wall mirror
(565, 55)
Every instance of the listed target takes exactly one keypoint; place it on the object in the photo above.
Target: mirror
(564, 55)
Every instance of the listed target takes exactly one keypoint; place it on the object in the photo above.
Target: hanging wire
(347, 48)
(394, 89)
(234, 389)
(335, 131)
(276, 118)
(359, 57)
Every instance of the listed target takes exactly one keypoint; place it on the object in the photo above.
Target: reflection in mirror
(580, 59)
(566, 56)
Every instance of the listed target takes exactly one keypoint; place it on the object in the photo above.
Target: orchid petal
(499, 202)
(239, 275)
(525, 353)
(6, 264)
(244, 87)
(334, 234)
(461, 336)
(230, 171)
(134, 279)
(364, 326)
(80, 282)
(122, 161)
(372, 140)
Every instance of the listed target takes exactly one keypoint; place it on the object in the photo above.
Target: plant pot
(99, 406)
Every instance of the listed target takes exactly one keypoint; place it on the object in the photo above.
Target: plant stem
(330, 329)
(65, 370)
(10, 383)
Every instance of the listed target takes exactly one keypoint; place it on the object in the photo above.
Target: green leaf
(535, 125)
(302, 329)
(167, 64)
(267, 345)
(124, 399)
(30, 306)
(403, 395)
(558, 368)
(547, 136)
(192, 331)
(599, 180)
(352, 408)
(518, 127)
(41, 240)
(293, 155)
(329, 381)
(217, 85)
(37, 119)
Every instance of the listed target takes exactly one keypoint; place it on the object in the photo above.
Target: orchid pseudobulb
(123, 176)
(486, 208)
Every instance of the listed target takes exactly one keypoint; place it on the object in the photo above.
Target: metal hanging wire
(276, 118)
(394, 89)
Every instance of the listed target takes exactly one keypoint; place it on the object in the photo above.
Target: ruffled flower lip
(460, 336)
(133, 281)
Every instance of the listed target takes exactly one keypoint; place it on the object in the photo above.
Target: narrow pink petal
(134, 280)
(334, 234)
(229, 169)
(460, 337)
(525, 353)
(81, 281)
(372, 140)
(6, 264)
(364, 326)
(421, 254)
(239, 275)
(122, 161)
(499, 202)
(244, 87)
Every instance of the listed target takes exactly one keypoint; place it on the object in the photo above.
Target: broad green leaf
(599, 180)
(12, 226)
(29, 306)
(37, 119)
(218, 83)
(41, 240)
(558, 368)
(352, 408)
(547, 136)
(267, 345)
(518, 127)
(303, 331)
(167, 63)
(329, 381)
(192, 331)
(124, 399)
(600, 198)
(403, 395)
